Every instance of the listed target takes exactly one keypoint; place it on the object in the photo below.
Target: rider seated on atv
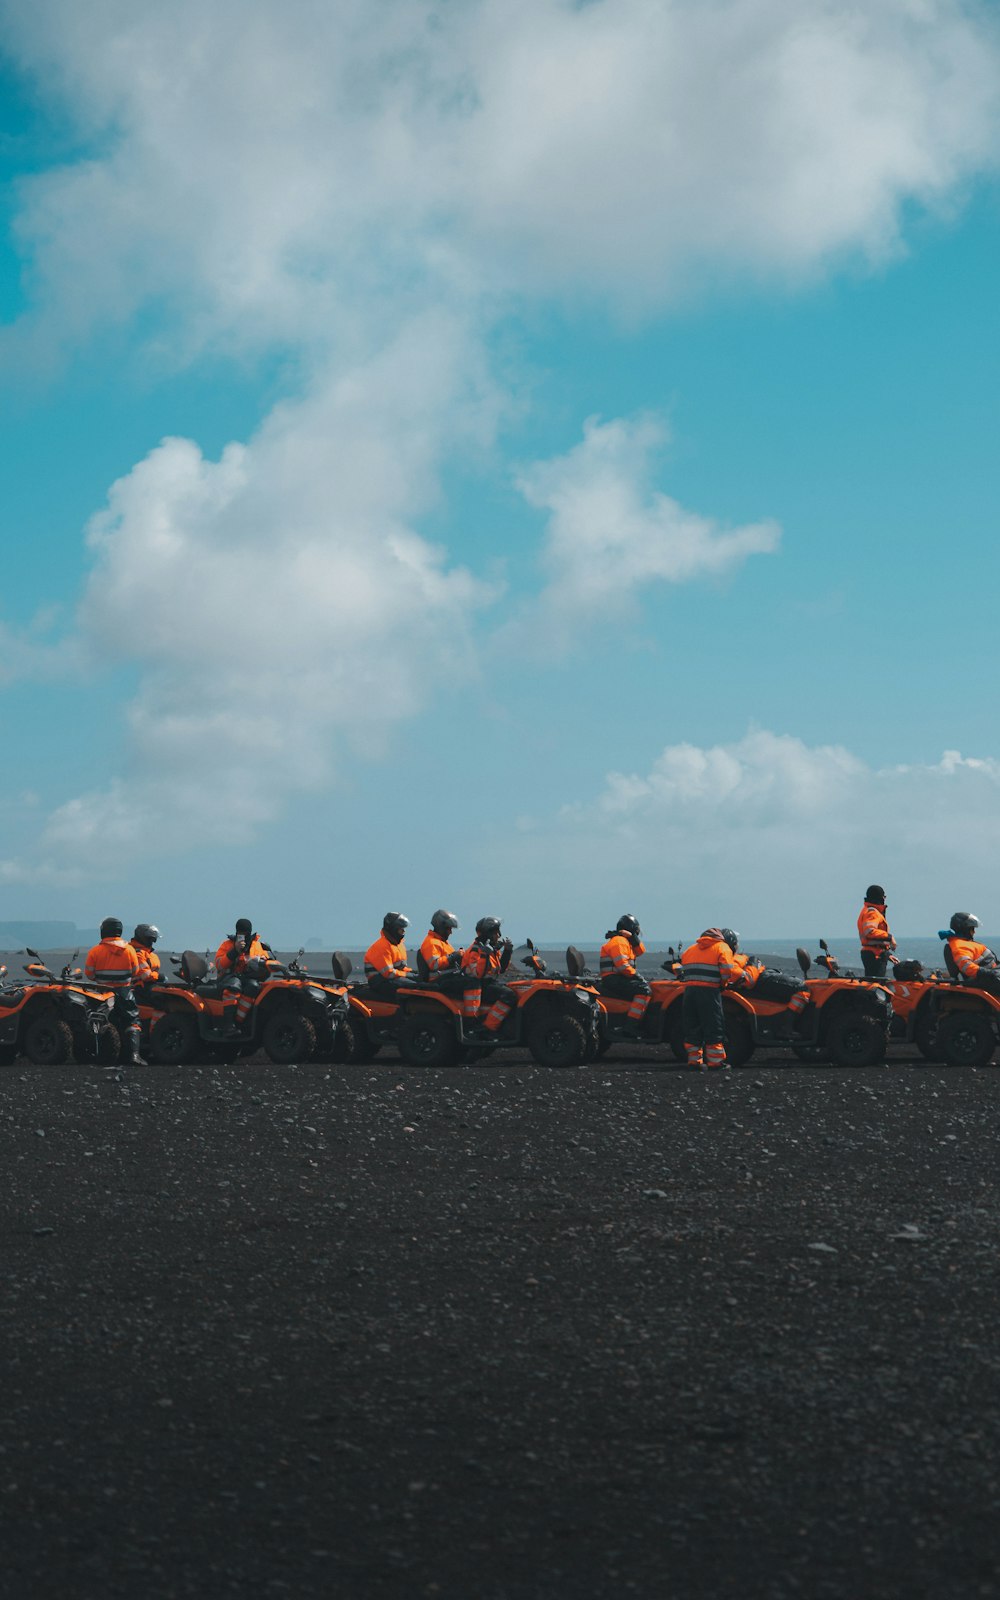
(385, 960)
(241, 961)
(142, 942)
(440, 964)
(966, 958)
(487, 956)
(619, 977)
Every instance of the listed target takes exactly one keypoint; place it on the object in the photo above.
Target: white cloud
(275, 601)
(610, 534)
(771, 833)
(367, 186)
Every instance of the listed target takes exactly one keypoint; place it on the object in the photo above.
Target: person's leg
(694, 1039)
(714, 1028)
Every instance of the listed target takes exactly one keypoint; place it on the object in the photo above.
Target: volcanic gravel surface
(500, 1333)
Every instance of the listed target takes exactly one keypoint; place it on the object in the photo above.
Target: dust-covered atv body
(293, 1017)
(52, 1019)
(849, 1019)
(554, 1017)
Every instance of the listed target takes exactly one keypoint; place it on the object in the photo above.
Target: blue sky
(533, 459)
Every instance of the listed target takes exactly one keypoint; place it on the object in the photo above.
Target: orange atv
(53, 1019)
(555, 1017)
(293, 1018)
(948, 1019)
(850, 1018)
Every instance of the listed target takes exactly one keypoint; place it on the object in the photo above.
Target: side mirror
(824, 946)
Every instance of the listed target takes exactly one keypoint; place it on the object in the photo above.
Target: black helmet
(244, 926)
(628, 924)
(394, 925)
(875, 894)
(111, 928)
(443, 922)
(731, 937)
(146, 933)
(488, 930)
(964, 924)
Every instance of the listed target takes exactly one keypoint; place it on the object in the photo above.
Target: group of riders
(475, 974)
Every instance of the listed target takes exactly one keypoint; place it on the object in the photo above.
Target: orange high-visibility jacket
(749, 971)
(968, 954)
(149, 963)
(480, 960)
(436, 951)
(709, 961)
(226, 961)
(618, 955)
(873, 930)
(385, 960)
(113, 962)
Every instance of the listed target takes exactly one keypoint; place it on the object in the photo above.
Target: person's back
(706, 966)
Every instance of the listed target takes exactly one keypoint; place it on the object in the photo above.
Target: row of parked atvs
(563, 1019)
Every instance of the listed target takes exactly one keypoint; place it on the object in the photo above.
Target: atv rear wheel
(675, 1034)
(558, 1040)
(739, 1039)
(173, 1039)
(855, 1039)
(288, 1036)
(48, 1042)
(965, 1039)
(427, 1039)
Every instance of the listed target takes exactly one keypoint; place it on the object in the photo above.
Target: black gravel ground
(500, 1333)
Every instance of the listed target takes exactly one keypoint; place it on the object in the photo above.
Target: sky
(537, 459)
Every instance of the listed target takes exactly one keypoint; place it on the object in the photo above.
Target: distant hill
(46, 936)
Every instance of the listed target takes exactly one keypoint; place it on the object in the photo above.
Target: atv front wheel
(173, 1039)
(925, 1037)
(558, 1041)
(965, 1039)
(428, 1040)
(739, 1040)
(288, 1036)
(856, 1040)
(48, 1042)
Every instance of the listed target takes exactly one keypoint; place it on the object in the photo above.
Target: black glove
(455, 959)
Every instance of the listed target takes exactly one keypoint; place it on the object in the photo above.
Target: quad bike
(54, 1019)
(948, 1019)
(293, 1018)
(849, 1019)
(555, 1017)
(751, 1019)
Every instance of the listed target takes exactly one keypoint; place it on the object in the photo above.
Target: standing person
(706, 966)
(385, 960)
(241, 962)
(877, 942)
(619, 976)
(114, 965)
(975, 963)
(142, 942)
(486, 958)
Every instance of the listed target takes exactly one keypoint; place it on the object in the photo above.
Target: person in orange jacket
(974, 963)
(114, 965)
(769, 984)
(707, 966)
(440, 964)
(241, 962)
(619, 976)
(482, 963)
(385, 960)
(877, 943)
(142, 942)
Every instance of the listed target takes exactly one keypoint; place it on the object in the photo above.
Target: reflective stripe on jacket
(436, 951)
(618, 955)
(149, 963)
(968, 955)
(481, 960)
(113, 962)
(384, 959)
(709, 962)
(873, 930)
(227, 961)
